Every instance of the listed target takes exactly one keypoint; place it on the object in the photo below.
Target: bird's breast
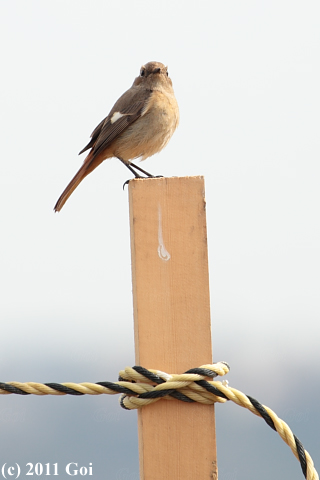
(151, 132)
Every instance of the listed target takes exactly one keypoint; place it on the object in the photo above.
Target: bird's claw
(153, 176)
(126, 183)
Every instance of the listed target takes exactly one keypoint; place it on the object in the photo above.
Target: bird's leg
(141, 170)
(131, 170)
(131, 167)
(146, 173)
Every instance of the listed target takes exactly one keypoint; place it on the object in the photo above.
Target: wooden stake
(172, 321)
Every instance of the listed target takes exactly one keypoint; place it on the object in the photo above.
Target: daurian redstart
(139, 125)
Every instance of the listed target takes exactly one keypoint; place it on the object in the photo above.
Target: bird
(140, 124)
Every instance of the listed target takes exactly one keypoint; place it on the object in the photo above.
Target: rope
(140, 387)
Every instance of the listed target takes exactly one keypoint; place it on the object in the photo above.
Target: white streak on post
(162, 251)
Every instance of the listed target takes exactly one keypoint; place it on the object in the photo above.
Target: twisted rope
(140, 387)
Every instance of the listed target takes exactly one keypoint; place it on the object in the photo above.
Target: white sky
(246, 75)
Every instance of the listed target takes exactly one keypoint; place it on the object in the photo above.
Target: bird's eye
(142, 72)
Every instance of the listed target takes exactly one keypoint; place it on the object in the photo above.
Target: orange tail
(87, 167)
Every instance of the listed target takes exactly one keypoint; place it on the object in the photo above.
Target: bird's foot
(126, 183)
(138, 176)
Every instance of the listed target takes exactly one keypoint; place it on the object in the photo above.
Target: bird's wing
(126, 110)
(94, 135)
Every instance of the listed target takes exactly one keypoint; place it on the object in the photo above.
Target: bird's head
(153, 74)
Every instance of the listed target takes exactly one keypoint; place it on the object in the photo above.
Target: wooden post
(172, 321)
